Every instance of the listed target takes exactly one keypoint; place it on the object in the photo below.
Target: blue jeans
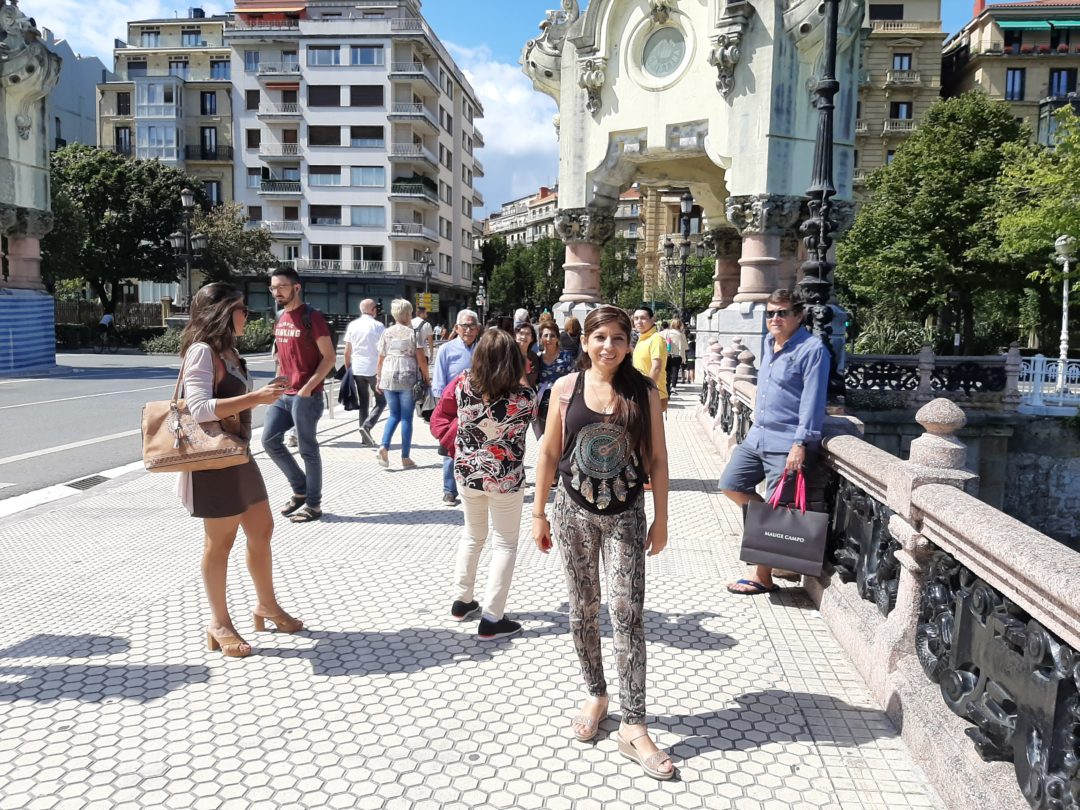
(449, 485)
(401, 412)
(302, 413)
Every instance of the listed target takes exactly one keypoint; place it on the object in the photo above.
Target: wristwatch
(798, 443)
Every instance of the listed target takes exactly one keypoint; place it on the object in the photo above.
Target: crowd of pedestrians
(593, 394)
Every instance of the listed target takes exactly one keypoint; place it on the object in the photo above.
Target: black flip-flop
(305, 514)
(757, 585)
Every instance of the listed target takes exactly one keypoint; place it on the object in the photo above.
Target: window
(291, 213)
(208, 102)
(136, 68)
(366, 137)
(254, 178)
(901, 61)
(253, 137)
(367, 55)
(369, 216)
(324, 175)
(889, 156)
(255, 213)
(466, 142)
(324, 136)
(1059, 37)
(292, 253)
(219, 69)
(325, 214)
(445, 264)
(251, 99)
(367, 253)
(1062, 81)
(466, 206)
(1014, 38)
(251, 61)
(324, 95)
(466, 176)
(323, 55)
(447, 120)
(326, 253)
(900, 109)
(374, 176)
(444, 227)
(122, 139)
(445, 192)
(290, 173)
(447, 157)
(366, 95)
(886, 11)
(208, 142)
(190, 37)
(290, 58)
(178, 67)
(150, 38)
(213, 191)
(466, 270)
(1014, 84)
(123, 103)
(466, 237)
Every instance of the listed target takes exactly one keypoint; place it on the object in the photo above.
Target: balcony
(412, 153)
(478, 137)
(905, 78)
(478, 198)
(279, 151)
(413, 192)
(285, 228)
(278, 69)
(906, 26)
(862, 126)
(284, 110)
(477, 168)
(360, 268)
(413, 71)
(208, 153)
(865, 78)
(412, 232)
(261, 27)
(280, 188)
(416, 113)
(858, 177)
(899, 126)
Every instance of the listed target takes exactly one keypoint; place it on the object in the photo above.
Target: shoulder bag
(172, 441)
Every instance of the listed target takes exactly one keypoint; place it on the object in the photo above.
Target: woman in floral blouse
(494, 409)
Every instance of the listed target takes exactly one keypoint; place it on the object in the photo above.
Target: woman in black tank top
(612, 433)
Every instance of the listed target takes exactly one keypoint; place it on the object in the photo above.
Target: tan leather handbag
(172, 441)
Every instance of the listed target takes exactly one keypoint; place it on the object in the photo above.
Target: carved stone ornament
(660, 11)
(593, 224)
(591, 78)
(727, 44)
(763, 213)
(18, 222)
(724, 243)
(804, 23)
(843, 215)
(28, 70)
(541, 56)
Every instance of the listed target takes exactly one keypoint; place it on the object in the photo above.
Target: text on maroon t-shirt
(298, 354)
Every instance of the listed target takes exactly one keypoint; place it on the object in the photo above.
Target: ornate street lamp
(1065, 248)
(818, 230)
(187, 246)
(686, 206)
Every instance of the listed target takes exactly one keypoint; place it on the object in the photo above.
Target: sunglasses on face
(468, 326)
(778, 313)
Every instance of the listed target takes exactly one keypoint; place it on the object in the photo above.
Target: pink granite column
(581, 282)
(727, 245)
(584, 231)
(761, 219)
(24, 263)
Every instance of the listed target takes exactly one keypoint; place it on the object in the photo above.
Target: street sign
(429, 301)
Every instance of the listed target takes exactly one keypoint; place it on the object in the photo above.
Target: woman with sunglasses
(218, 388)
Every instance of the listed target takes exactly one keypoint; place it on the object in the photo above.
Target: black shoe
(366, 437)
(463, 611)
(503, 628)
(449, 499)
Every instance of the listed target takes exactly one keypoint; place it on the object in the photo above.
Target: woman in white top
(677, 351)
(402, 364)
(217, 388)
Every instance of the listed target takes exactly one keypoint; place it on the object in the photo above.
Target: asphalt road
(62, 428)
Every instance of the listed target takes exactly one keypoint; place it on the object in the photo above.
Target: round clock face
(663, 52)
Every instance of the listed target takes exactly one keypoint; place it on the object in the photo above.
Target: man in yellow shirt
(650, 354)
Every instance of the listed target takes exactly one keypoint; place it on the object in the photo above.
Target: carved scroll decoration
(726, 48)
(591, 78)
(864, 550)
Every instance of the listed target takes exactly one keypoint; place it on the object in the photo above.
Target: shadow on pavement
(411, 518)
(772, 716)
(683, 631)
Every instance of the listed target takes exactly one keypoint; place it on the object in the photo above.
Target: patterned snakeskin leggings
(583, 537)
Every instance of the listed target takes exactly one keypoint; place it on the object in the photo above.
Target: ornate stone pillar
(24, 229)
(727, 247)
(761, 219)
(584, 230)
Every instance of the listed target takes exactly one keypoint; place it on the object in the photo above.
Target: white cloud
(521, 151)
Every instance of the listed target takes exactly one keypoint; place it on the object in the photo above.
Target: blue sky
(485, 37)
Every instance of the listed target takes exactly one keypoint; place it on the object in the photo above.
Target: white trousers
(505, 511)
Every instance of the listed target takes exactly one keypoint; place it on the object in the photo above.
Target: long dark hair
(211, 320)
(497, 364)
(632, 388)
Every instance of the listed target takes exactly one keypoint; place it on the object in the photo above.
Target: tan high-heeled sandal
(650, 764)
(231, 645)
(591, 725)
(283, 622)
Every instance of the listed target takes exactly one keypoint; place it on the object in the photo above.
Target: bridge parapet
(939, 597)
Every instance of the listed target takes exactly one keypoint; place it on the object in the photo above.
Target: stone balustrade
(940, 599)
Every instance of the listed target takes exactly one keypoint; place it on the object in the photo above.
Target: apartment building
(900, 78)
(356, 144)
(524, 220)
(71, 108)
(171, 98)
(1024, 54)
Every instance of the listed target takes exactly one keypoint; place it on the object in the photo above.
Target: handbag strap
(179, 379)
(800, 492)
(774, 501)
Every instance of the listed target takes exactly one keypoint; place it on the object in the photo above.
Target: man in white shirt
(362, 356)
(425, 335)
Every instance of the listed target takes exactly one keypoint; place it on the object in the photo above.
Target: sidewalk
(109, 699)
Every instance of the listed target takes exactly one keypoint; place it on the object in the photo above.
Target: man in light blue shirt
(453, 358)
(788, 415)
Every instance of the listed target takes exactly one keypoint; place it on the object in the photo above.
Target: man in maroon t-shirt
(305, 355)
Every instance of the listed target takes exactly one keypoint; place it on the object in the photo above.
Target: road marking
(62, 447)
(85, 396)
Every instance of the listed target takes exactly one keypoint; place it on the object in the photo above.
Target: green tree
(923, 244)
(529, 276)
(620, 279)
(231, 248)
(113, 219)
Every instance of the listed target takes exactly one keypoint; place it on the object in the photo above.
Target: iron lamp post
(187, 246)
(481, 301)
(1065, 250)
(428, 267)
(686, 206)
